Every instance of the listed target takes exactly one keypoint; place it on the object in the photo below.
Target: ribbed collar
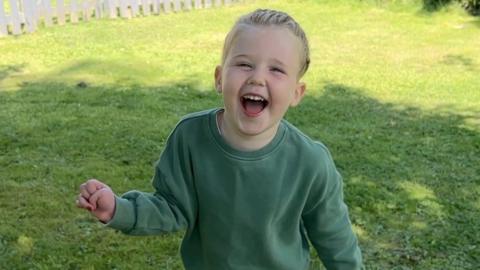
(261, 153)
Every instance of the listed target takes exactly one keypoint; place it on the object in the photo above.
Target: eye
(277, 70)
(244, 65)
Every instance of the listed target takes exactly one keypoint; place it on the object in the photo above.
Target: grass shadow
(459, 60)
(412, 179)
(9, 70)
(54, 136)
(411, 176)
(476, 22)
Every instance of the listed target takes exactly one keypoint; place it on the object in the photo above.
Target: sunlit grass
(392, 91)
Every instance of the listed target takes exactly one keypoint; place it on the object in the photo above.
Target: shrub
(432, 5)
(472, 6)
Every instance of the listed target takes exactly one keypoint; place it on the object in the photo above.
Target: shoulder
(314, 160)
(193, 121)
(323, 178)
(194, 117)
(190, 128)
(309, 149)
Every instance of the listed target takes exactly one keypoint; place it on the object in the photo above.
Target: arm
(171, 207)
(327, 223)
(173, 204)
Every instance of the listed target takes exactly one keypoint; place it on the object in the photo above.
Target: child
(248, 187)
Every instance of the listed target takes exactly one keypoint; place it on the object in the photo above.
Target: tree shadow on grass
(411, 176)
(476, 22)
(459, 60)
(55, 136)
(8, 70)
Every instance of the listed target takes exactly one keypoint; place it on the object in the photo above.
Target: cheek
(285, 96)
(229, 94)
(232, 83)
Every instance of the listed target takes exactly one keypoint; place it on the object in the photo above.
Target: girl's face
(259, 80)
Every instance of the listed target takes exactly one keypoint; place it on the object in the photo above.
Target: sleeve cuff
(124, 216)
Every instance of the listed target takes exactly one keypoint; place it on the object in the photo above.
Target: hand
(97, 198)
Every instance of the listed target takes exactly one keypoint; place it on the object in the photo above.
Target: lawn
(393, 91)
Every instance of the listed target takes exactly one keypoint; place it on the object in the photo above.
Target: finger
(93, 185)
(83, 203)
(96, 197)
(83, 192)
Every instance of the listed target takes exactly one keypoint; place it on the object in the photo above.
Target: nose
(257, 78)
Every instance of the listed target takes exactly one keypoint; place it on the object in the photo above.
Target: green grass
(393, 91)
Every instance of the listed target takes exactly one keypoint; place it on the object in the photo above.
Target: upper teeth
(256, 98)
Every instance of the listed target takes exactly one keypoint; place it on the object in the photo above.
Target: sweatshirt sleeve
(327, 223)
(173, 204)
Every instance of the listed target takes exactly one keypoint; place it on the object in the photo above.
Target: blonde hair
(268, 17)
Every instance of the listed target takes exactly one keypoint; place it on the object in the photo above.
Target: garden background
(393, 91)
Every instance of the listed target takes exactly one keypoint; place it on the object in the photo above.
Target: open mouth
(253, 104)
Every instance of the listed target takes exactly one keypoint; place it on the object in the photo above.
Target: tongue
(253, 107)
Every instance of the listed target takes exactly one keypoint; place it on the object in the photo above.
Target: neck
(243, 142)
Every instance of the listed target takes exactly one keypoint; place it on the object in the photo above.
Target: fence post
(15, 18)
(176, 6)
(208, 3)
(145, 8)
(47, 8)
(198, 3)
(37, 11)
(98, 9)
(156, 6)
(188, 4)
(29, 13)
(85, 8)
(60, 10)
(134, 7)
(112, 7)
(73, 11)
(166, 6)
(124, 11)
(3, 22)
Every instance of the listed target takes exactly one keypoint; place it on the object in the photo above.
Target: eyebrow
(274, 60)
(240, 56)
(278, 62)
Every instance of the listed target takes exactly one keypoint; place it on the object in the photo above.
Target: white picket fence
(27, 15)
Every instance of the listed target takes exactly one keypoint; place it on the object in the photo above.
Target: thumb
(102, 199)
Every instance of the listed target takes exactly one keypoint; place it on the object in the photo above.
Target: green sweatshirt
(244, 210)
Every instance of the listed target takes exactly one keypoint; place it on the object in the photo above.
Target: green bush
(472, 6)
(432, 5)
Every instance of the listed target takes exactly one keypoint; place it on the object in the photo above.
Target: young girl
(247, 186)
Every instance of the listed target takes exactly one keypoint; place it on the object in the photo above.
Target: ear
(298, 94)
(218, 79)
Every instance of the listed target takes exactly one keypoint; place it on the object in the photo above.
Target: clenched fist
(97, 198)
